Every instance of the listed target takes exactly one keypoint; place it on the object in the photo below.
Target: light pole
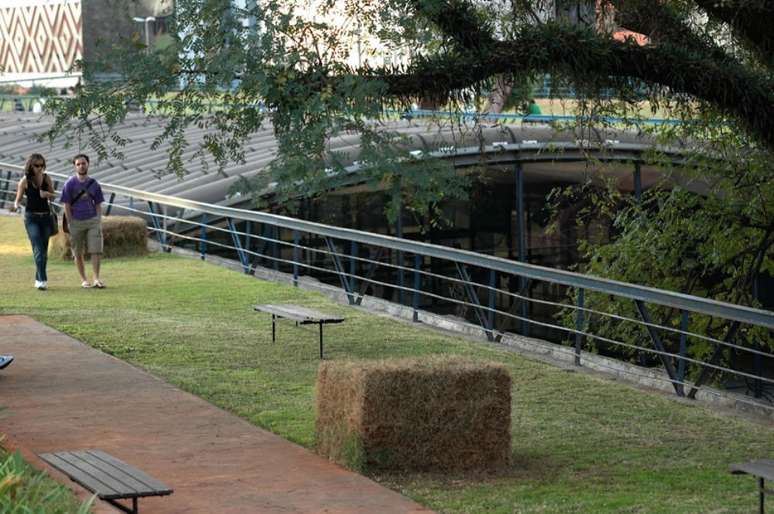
(146, 21)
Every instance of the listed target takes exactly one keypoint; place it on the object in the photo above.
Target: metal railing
(493, 294)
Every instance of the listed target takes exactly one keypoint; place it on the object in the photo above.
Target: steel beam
(345, 283)
(665, 360)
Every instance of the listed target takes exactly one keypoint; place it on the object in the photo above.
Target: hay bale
(124, 236)
(436, 414)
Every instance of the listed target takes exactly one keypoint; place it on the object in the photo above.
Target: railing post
(275, 247)
(203, 236)
(522, 245)
(167, 248)
(296, 239)
(492, 300)
(248, 237)
(353, 267)
(757, 359)
(683, 349)
(579, 321)
(417, 285)
(396, 189)
(110, 203)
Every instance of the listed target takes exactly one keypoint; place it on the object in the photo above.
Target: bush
(438, 414)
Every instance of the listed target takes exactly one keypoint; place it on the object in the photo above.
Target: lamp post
(146, 21)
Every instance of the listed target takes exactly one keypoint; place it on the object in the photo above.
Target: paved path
(61, 394)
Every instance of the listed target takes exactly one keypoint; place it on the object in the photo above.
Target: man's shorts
(86, 235)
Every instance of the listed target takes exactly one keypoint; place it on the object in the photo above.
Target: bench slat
(103, 486)
(126, 484)
(763, 468)
(298, 313)
(108, 477)
(120, 470)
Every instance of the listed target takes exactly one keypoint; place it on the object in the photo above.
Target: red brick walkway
(60, 394)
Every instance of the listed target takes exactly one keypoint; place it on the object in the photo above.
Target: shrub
(24, 490)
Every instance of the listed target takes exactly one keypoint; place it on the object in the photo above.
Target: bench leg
(321, 340)
(133, 510)
(761, 495)
(273, 329)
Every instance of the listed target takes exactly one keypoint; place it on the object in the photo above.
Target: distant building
(41, 40)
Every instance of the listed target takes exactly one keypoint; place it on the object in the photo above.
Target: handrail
(686, 302)
(426, 113)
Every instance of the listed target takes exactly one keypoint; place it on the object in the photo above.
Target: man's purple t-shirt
(86, 206)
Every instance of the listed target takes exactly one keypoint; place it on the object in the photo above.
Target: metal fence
(689, 341)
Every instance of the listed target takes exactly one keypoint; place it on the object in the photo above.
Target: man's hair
(81, 156)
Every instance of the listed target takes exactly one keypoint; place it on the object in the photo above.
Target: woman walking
(39, 189)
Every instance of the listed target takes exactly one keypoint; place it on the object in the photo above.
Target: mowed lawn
(580, 443)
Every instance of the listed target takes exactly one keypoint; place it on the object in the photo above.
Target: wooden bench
(298, 314)
(110, 478)
(763, 469)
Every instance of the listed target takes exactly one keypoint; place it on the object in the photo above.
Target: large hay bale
(124, 236)
(432, 414)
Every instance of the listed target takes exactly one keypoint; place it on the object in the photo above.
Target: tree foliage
(276, 63)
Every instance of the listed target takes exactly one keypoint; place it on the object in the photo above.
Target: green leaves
(329, 69)
(24, 490)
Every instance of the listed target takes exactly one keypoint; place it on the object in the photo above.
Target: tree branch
(583, 54)
(750, 20)
(458, 20)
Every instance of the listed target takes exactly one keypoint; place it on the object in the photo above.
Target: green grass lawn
(580, 443)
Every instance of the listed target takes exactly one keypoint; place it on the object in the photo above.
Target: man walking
(82, 199)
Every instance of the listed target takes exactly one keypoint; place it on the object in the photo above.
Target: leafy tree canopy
(288, 62)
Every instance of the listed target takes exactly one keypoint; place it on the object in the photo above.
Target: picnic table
(301, 315)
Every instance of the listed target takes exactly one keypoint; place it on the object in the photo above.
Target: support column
(637, 181)
(399, 233)
(521, 243)
(579, 322)
(203, 236)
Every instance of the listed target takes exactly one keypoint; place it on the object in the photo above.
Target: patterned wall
(42, 36)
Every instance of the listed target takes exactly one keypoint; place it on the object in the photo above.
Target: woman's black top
(36, 204)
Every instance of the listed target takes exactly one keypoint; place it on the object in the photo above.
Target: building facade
(41, 41)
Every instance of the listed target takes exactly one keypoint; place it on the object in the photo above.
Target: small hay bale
(433, 414)
(123, 236)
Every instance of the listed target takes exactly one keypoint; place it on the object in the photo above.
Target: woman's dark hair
(29, 170)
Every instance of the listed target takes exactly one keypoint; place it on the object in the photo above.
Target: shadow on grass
(522, 468)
